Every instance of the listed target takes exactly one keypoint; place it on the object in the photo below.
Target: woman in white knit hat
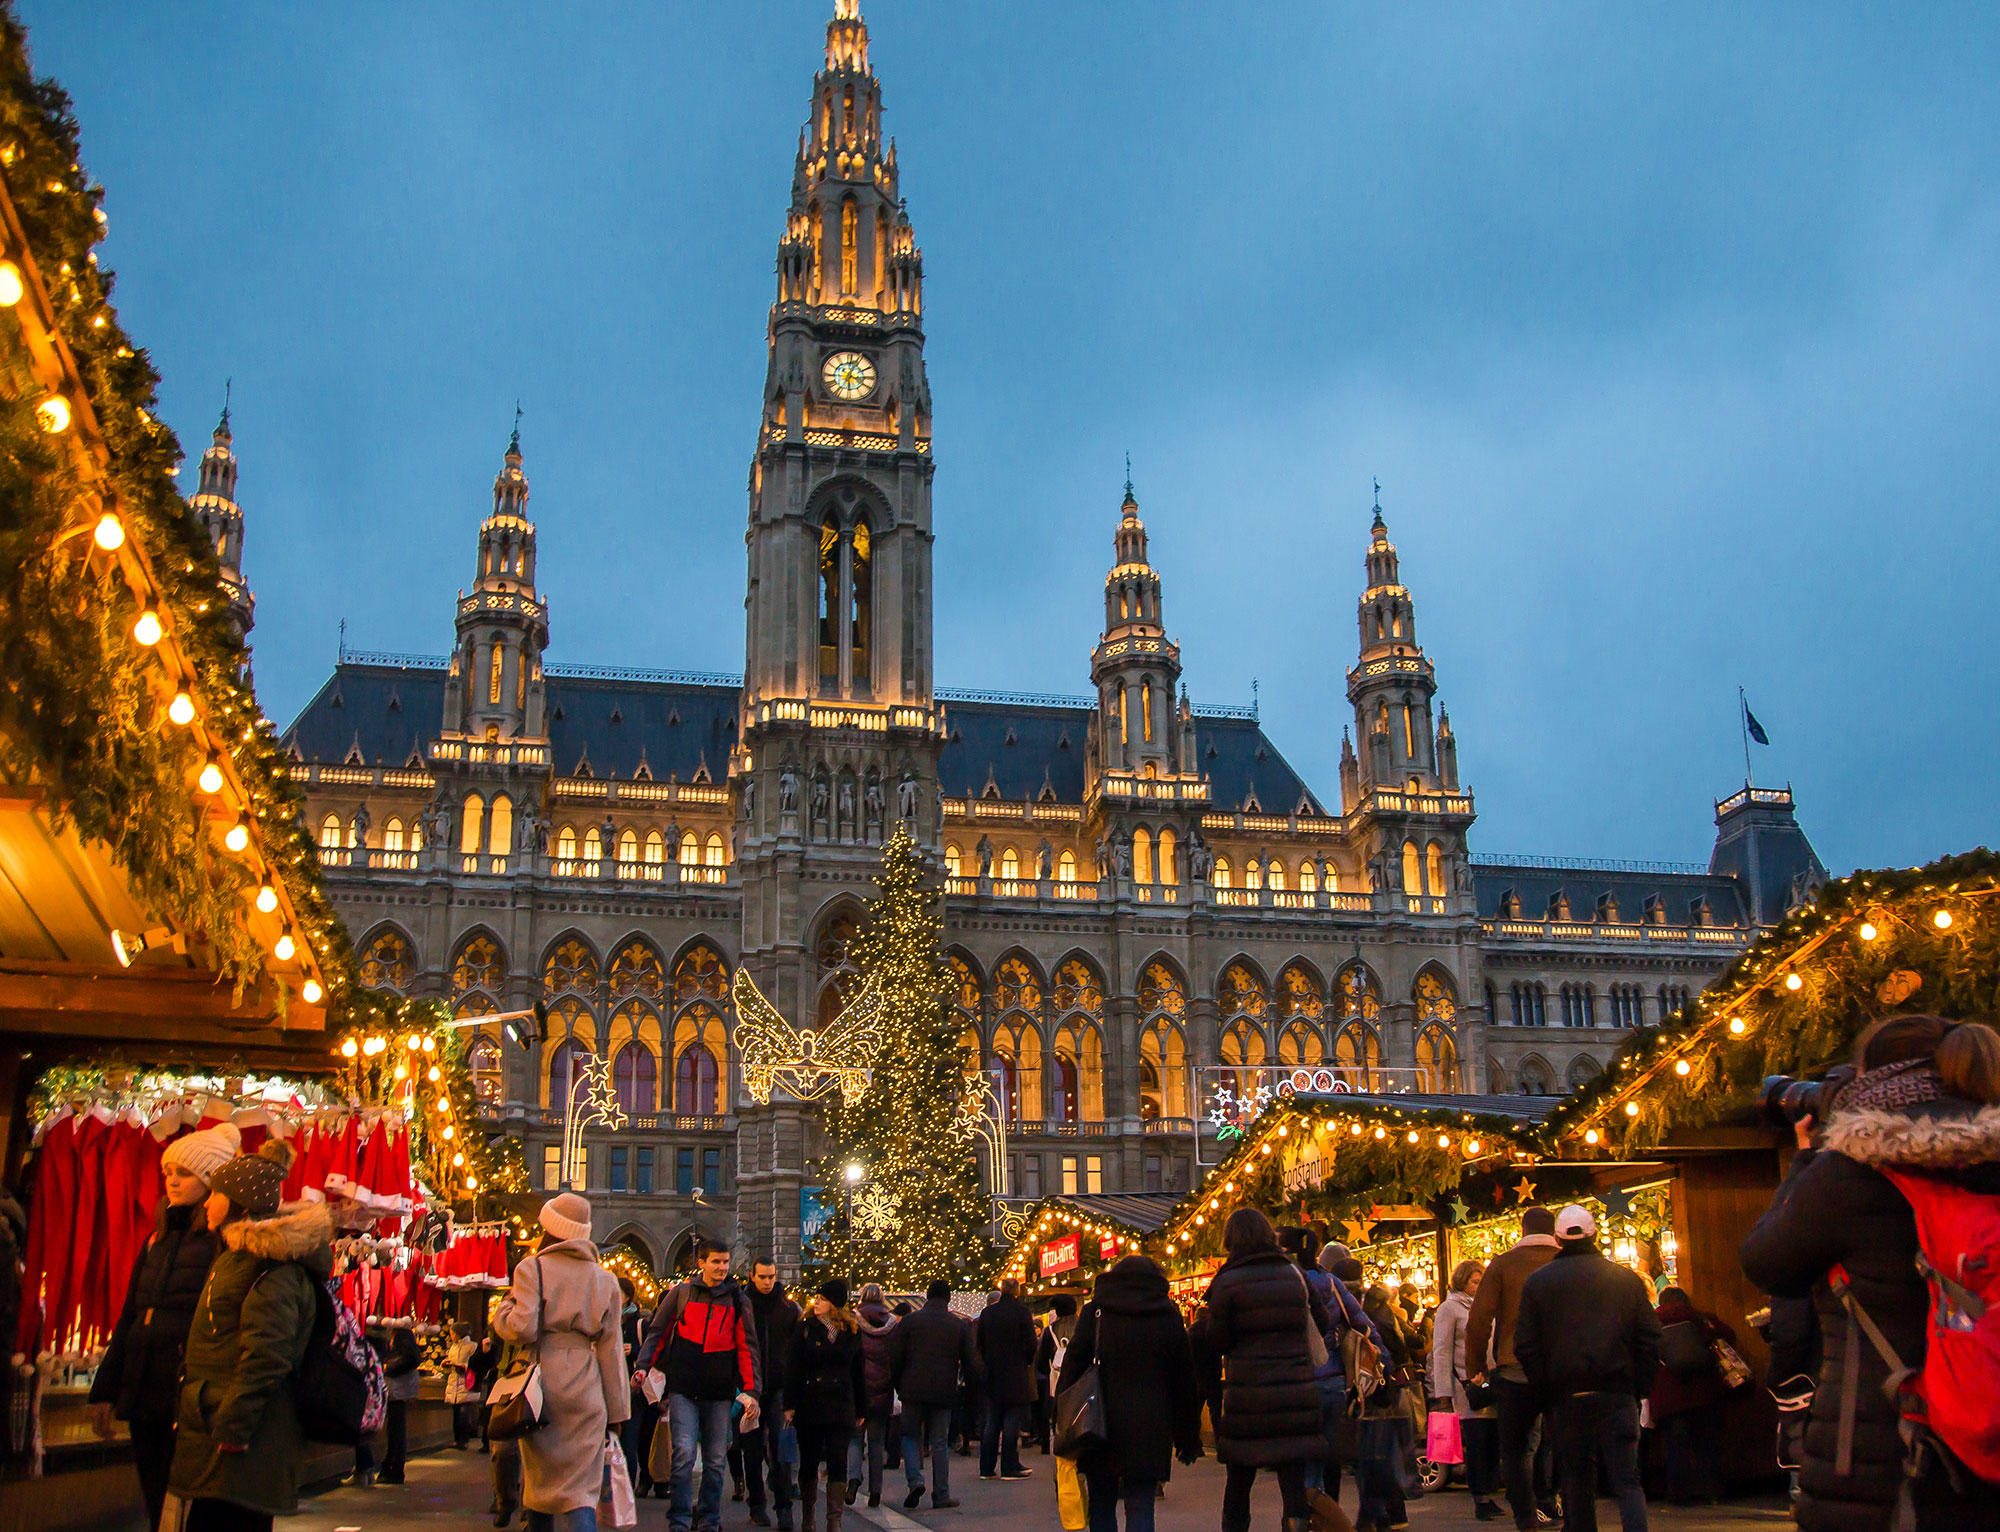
(139, 1378)
(565, 1305)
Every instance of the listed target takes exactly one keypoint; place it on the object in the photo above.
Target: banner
(1064, 1253)
(817, 1207)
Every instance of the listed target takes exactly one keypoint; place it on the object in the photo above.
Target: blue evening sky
(1669, 330)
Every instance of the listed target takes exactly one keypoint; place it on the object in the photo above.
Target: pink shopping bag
(1442, 1442)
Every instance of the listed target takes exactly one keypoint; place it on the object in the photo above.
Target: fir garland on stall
(84, 705)
(401, 1053)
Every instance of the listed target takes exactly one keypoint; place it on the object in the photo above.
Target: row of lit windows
(1528, 1004)
(1155, 862)
(629, 1168)
(490, 827)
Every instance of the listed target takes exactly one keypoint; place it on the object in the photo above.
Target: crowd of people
(1538, 1376)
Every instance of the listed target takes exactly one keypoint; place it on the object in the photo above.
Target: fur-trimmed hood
(1941, 1135)
(876, 1318)
(295, 1232)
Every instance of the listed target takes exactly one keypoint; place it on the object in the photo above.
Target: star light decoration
(593, 1101)
(807, 1063)
(1231, 1113)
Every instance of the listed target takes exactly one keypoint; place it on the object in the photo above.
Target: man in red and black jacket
(703, 1337)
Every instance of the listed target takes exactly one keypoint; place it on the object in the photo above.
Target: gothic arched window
(471, 824)
(861, 604)
(637, 970)
(1434, 868)
(571, 968)
(1167, 869)
(500, 826)
(1142, 855)
(330, 833)
(953, 862)
(635, 1074)
(838, 977)
(488, 1075)
(478, 967)
(829, 602)
(387, 963)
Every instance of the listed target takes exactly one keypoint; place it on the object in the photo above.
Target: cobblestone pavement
(449, 1491)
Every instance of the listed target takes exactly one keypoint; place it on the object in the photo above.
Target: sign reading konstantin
(1062, 1254)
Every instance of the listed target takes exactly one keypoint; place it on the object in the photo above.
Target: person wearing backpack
(139, 1378)
(1687, 1397)
(565, 1305)
(1843, 1229)
(238, 1443)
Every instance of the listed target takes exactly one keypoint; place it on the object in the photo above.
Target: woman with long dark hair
(826, 1397)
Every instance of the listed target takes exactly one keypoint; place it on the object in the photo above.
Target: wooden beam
(140, 1003)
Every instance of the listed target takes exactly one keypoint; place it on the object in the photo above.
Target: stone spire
(221, 521)
(1135, 666)
(503, 625)
(1392, 685)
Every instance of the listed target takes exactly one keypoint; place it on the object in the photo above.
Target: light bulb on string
(1736, 1026)
(237, 836)
(283, 948)
(311, 993)
(1868, 932)
(147, 629)
(1942, 920)
(210, 780)
(109, 534)
(1683, 1068)
(181, 709)
(349, 1048)
(53, 414)
(267, 897)
(1794, 982)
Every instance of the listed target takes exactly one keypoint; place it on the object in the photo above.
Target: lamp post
(850, 1176)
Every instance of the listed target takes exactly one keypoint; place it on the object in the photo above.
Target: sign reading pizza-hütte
(1064, 1253)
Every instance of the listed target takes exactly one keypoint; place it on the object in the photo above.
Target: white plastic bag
(621, 1507)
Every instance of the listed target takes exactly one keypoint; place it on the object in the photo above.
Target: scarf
(1892, 1088)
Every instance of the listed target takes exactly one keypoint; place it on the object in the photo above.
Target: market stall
(1068, 1240)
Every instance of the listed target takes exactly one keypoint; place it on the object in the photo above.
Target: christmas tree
(916, 1213)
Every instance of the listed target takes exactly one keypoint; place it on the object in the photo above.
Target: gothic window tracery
(1163, 1076)
(1358, 1045)
(1066, 867)
(566, 843)
(1078, 998)
(635, 1057)
(637, 970)
(838, 977)
(387, 963)
(1220, 876)
(1437, 1059)
(483, 1059)
(571, 968)
(477, 967)
(330, 833)
(1017, 1040)
(593, 845)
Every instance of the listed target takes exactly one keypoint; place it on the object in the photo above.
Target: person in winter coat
(1152, 1404)
(1589, 1341)
(703, 1337)
(826, 1395)
(140, 1375)
(928, 1355)
(565, 1305)
(1478, 1429)
(876, 1324)
(776, 1317)
(1687, 1396)
(1007, 1341)
(1835, 1207)
(1345, 1314)
(482, 1372)
(1258, 1310)
(401, 1361)
(1056, 1335)
(457, 1383)
(1385, 1437)
(1489, 1357)
(237, 1442)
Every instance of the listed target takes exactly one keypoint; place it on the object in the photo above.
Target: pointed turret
(503, 626)
(221, 521)
(1392, 685)
(1135, 666)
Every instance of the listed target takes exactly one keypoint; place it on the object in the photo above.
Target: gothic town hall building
(1139, 890)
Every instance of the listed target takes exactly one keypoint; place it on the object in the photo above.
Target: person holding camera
(1840, 1230)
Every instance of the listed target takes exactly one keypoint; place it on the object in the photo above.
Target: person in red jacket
(1686, 1399)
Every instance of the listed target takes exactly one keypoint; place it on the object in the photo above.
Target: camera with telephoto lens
(1786, 1100)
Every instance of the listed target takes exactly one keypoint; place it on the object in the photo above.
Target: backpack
(1958, 1237)
(1685, 1351)
(339, 1390)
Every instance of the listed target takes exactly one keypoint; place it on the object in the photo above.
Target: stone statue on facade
(906, 798)
(750, 797)
(528, 828)
(357, 827)
(788, 790)
(819, 802)
(1103, 850)
(871, 803)
(985, 852)
(1121, 855)
(1045, 860)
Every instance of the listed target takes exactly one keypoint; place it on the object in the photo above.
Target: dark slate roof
(389, 711)
(1030, 749)
(1527, 1110)
(1758, 840)
(1145, 1211)
(1537, 886)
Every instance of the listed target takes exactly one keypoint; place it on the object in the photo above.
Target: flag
(1756, 729)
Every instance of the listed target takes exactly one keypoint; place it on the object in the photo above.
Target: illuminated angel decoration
(805, 1062)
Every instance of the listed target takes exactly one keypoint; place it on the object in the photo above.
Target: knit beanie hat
(834, 1291)
(202, 1154)
(1331, 1254)
(566, 1216)
(255, 1183)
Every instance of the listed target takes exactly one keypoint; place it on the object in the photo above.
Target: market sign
(1064, 1253)
(817, 1206)
(1107, 1248)
(1306, 1165)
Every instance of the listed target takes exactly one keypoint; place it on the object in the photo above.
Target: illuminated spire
(221, 518)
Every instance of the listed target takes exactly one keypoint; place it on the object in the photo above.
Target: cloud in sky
(1670, 333)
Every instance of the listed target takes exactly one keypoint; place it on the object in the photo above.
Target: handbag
(660, 1450)
(517, 1398)
(622, 1503)
(1315, 1341)
(1443, 1442)
(1081, 1429)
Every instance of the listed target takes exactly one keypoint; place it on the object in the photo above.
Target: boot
(808, 1495)
(836, 1507)
(1298, 1524)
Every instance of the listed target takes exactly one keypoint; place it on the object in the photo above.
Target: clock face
(849, 375)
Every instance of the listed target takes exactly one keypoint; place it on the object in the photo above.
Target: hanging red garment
(47, 1261)
(86, 1228)
(128, 1214)
(400, 1152)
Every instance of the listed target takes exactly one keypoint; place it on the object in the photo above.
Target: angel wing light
(807, 1063)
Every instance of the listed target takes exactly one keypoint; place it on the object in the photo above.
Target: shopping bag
(788, 1446)
(1070, 1502)
(660, 1450)
(1442, 1442)
(620, 1506)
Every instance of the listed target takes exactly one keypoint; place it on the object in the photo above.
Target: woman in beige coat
(565, 1305)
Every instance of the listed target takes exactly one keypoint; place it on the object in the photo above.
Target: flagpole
(1743, 723)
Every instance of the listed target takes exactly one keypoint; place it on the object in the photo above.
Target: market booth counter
(1069, 1240)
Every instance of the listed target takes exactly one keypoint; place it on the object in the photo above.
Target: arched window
(1169, 871)
(1357, 1045)
(697, 1077)
(1241, 993)
(1437, 1022)
(565, 1071)
(656, 849)
(1078, 1003)
(493, 677)
(1142, 855)
(636, 970)
(1434, 868)
(628, 845)
(1534, 1078)
(635, 1075)
(571, 968)
(1220, 877)
(1066, 867)
(1124, 729)
(839, 979)
(700, 975)
(1582, 1070)
(566, 843)
(850, 226)
(1300, 1044)
(1010, 863)
(861, 583)
(952, 862)
(330, 833)
(392, 835)
(1017, 1039)
(1241, 1001)
(593, 845)
(690, 849)
(1146, 710)
(477, 967)
(1413, 868)
(471, 824)
(1163, 1080)
(387, 963)
(829, 603)
(1276, 876)
(500, 826)
(1253, 874)
(965, 1006)
(488, 1073)
(1437, 1059)
(1308, 877)
(715, 854)
(1301, 1008)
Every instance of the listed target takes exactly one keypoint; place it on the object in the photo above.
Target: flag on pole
(1756, 729)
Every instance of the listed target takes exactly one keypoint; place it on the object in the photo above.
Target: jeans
(1000, 1442)
(875, 1443)
(1379, 1474)
(702, 1423)
(397, 1429)
(1528, 1472)
(582, 1519)
(1481, 1436)
(933, 1420)
(1236, 1494)
(1101, 1484)
(1693, 1441)
(1593, 1428)
(1324, 1473)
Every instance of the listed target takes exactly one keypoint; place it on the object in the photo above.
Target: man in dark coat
(1489, 1355)
(1589, 1341)
(1145, 1369)
(1006, 1337)
(1055, 1335)
(928, 1353)
(1836, 1208)
(777, 1319)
